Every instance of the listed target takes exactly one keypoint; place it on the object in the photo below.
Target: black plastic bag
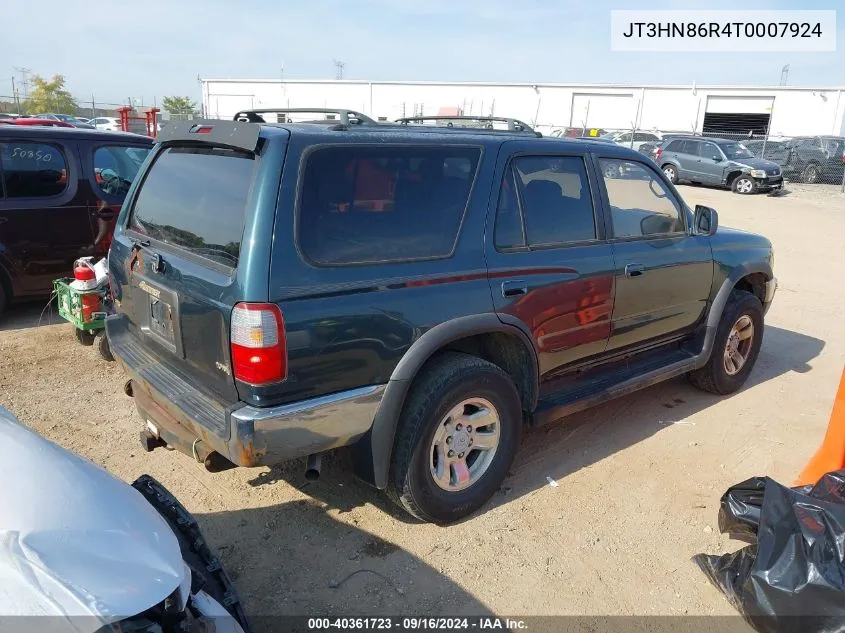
(792, 578)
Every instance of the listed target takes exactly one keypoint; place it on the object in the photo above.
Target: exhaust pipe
(312, 467)
(128, 390)
(214, 462)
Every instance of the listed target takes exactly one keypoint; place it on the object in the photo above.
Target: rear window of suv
(195, 199)
(362, 204)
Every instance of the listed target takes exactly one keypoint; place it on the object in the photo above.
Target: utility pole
(24, 82)
(339, 65)
(784, 75)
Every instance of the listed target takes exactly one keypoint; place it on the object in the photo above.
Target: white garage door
(603, 110)
(740, 105)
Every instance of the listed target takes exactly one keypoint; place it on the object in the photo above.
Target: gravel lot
(639, 478)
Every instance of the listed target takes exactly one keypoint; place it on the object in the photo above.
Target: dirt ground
(639, 479)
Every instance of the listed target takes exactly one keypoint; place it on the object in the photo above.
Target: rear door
(550, 265)
(179, 260)
(690, 159)
(663, 274)
(109, 170)
(711, 163)
(44, 223)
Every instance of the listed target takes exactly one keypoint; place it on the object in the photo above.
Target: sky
(115, 52)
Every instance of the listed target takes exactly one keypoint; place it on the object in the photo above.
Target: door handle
(514, 288)
(634, 270)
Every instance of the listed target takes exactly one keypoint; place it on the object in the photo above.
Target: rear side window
(555, 200)
(33, 170)
(373, 204)
(115, 167)
(834, 146)
(195, 199)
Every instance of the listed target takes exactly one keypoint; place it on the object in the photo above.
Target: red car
(33, 121)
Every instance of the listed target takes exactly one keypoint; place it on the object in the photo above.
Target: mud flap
(207, 574)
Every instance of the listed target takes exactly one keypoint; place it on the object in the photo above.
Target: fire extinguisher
(86, 280)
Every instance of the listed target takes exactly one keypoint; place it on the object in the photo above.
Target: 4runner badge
(155, 292)
(224, 368)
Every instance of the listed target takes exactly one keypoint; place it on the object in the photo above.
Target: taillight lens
(658, 154)
(259, 353)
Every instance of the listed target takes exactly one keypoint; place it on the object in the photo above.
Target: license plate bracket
(157, 313)
(161, 319)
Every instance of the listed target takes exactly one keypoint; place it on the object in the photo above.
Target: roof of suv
(245, 134)
(33, 131)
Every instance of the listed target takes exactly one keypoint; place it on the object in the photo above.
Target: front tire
(737, 345)
(744, 185)
(456, 440)
(671, 173)
(103, 347)
(86, 337)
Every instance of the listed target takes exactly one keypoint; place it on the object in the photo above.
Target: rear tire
(810, 175)
(85, 337)
(440, 488)
(742, 313)
(671, 173)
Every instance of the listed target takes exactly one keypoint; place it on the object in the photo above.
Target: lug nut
(461, 455)
(451, 454)
(449, 440)
(470, 441)
(458, 427)
(469, 429)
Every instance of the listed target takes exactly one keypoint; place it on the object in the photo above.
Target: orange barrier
(831, 454)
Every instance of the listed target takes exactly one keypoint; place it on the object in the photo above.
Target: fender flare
(717, 307)
(372, 453)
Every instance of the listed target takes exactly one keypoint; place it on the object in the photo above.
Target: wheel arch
(733, 175)
(750, 276)
(502, 340)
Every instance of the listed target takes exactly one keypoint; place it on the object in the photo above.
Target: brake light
(658, 153)
(201, 129)
(259, 352)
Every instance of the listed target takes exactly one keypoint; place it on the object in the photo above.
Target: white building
(784, 110)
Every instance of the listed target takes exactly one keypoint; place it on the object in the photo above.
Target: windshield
(736, 150)
(66, 118)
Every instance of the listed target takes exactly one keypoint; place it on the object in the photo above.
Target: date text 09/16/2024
(481, 623)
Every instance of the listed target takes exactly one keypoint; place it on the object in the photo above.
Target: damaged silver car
(84, 552)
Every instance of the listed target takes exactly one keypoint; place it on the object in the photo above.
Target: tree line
(52, 96)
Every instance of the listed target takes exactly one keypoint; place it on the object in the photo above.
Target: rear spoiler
(234, 134)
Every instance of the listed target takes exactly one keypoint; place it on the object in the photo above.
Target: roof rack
(345, 117)
(514, 125)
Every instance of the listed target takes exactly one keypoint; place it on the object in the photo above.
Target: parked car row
(811, 159)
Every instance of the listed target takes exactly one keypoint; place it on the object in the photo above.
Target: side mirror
(717, 159)
(706, 220)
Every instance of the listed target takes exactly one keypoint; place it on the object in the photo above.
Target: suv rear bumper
(196, 423)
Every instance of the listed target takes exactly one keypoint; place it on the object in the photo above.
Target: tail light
(259, 352)
(658, 153)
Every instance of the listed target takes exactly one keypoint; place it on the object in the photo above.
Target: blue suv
(416, 292)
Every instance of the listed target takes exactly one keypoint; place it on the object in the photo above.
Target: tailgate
(177, 256)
